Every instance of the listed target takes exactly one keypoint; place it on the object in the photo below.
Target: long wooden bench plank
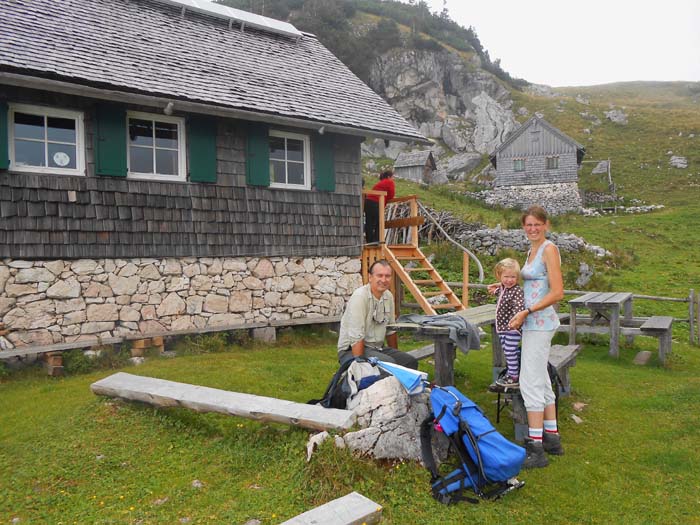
(25, 351)
(423, 352)
(561, 356)
(352, 509)
(163, 393)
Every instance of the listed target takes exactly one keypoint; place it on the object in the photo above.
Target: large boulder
(389, 421)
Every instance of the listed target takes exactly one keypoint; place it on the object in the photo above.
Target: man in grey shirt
(363, 325)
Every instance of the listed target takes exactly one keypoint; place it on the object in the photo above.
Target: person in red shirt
(386, 183)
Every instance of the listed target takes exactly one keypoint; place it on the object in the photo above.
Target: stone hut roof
(415, 158)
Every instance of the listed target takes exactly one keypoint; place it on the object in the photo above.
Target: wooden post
(697, 316)
(381, 218)
(414, 229)
(54, 363)
(465, 279)
(691, 316)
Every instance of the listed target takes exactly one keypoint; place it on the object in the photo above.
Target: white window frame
(45, 112)
(522, 161)
(181, 175)
(307, 160)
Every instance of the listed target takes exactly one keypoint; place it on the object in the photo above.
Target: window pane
(141, 132)
(29, 127)
(166, 162)
(276, 148)
(295, 150)
(62, 156)
(277, 171)
(61, 129)
(166, 135)
(140, 160)
(295, 172)
(29, 153)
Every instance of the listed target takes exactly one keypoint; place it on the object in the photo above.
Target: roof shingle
(146, 47)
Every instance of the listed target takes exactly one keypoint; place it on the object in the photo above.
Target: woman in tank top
(543, 287)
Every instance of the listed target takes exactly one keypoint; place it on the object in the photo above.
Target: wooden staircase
(410, 264)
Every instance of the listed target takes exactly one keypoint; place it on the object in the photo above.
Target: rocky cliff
(450, 99)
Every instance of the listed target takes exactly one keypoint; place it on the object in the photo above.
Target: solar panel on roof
(244, 18)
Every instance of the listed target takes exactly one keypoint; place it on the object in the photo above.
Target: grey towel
(463, 334)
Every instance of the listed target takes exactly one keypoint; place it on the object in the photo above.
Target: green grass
(71, 457)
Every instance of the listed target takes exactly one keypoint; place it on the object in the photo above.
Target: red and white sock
(550, 426)
(534, 434)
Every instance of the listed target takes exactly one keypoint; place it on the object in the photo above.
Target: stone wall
(45, 302)
(557, 199)
(492, 240)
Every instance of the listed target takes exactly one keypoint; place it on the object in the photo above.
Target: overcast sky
(564, 43)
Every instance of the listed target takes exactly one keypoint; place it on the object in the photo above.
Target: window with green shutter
(258, 155)
(324, 163)
(4, 141)
(201, 140)
(110, 141)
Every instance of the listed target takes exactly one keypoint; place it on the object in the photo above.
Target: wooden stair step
(422, 269)
(428, 281)
(435, 294)
(409, 258)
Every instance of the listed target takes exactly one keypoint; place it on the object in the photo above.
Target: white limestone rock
(67, 289)
(171, 305)
(34, 275)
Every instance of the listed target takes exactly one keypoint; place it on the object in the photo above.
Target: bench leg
(664, 346)
(615, 333)
(54, 364)
(499, 358)
(517, 406)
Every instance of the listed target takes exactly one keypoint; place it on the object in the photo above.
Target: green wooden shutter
(324, 164)
(110, 141)
(202, 147)
(4, 145)
(258, 155)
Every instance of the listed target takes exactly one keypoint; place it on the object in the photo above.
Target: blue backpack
(486, 462)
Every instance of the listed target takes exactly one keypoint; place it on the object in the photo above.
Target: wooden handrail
(404, 198)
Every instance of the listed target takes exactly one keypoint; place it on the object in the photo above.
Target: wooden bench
(660, 326)
(161, 393)
(561, 358)
(351, 509)
(53, 354)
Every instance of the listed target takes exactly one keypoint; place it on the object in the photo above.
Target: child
(510, 301)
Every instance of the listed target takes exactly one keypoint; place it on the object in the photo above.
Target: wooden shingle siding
(532, 145)
(536, 171)
(105, 217)
(4, 155)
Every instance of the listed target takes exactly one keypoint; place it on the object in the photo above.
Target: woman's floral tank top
(536, 286)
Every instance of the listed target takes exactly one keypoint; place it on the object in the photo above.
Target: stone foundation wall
(45, 302)
(557, 199)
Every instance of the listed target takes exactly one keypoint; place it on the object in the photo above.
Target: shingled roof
(149, 48)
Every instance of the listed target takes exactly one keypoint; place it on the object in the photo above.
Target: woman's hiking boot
(536, 457)
(551, 442)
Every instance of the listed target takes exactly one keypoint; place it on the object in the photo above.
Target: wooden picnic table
(445, 352)
(607, 310)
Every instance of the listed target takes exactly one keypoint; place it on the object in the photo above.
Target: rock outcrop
(448, 99)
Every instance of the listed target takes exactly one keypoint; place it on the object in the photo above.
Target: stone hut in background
(417, 166)
(538, 164)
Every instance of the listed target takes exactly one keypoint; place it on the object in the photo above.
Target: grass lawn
(68, 456)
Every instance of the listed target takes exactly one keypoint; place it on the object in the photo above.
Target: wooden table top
(601, 299)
